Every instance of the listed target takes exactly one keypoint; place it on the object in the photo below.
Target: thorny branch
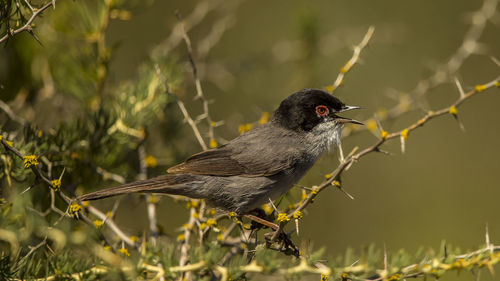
(28, 25)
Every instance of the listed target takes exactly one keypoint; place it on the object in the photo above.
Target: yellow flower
(30, 160)
(268, 209)
(181, 237)
(55, 184)
(304, 195)
(453, 110)
(153, 199)
(9, 143)
(85, 203)
(384, 134)
(220, 237)
(395, 277)
(151, 161)
(282, 217)
(74, 208)
(98, 223)
(264, 118)
(134, 238)
(324, 277)
(107, 248)
(297, 215)
(328, 176)
(244, 128)
(405, 134)
(203, 225)
(40, 133)
(330, 88)
(213, 143)
(192, 204)
(231, 214)
(315, 190)
(247, 226)
(1, 137)
(125, 252)
(109, 214)
(336, 183)
(480, 88)
(211, 222)
(371, 125)
(211, 212)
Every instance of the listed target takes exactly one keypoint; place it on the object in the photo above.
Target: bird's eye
(321, 110)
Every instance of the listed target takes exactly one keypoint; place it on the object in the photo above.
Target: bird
(257, 166)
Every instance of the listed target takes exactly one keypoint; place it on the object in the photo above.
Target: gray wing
(256, 153)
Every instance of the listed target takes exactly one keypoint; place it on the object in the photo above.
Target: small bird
(257, 166)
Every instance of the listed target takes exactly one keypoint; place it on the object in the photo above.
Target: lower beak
(343, 120)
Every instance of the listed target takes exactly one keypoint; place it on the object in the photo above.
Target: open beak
(348, 120)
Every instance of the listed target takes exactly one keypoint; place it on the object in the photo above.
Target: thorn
(460, 124)
(297, 226)
(346, 193)
(488, 243)
(30, 31)
(403, 142)
(382, 151)
(341, 153)
(459, 86)
(495, 60)
(274, 207)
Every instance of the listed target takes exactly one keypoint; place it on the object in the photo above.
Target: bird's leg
(262, 221)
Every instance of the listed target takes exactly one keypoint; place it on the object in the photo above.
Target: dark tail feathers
(161, 184)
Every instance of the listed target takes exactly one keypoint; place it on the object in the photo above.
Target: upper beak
(350, 107)
(348, 120)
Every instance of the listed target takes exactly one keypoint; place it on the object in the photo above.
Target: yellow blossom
(213, 143)
(480, 88)
(304, 195)
(211, 212)
(330, 88)
(109, 214)
(231, 214)
(211, 222)
(55, 184)
(244, 128)
(151, 161)
(203, 225)
(282, 217)
(336, 183)
(371, 125)
(298, 215)
(153, 199)
(107, 248)
(192, 204)
(328, 176)
(384, 134)
(324, 277)
(134, 238)
(395, 277)
(1, 137)
(30, 160)
(98, 223)
(453, 110)
(267, 209)
(125, 252)
(220, 237)
(315, 190)
(74, 208)
(181, 237)
(247, 226)
(497, 83)
(264, 118)
(405, 134)
(85, 203)
(40, 133)
(9, 143)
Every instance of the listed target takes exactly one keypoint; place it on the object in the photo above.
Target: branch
(27, 26)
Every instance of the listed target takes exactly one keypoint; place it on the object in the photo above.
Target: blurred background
(250, 56)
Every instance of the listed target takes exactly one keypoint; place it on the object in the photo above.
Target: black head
(309, 107)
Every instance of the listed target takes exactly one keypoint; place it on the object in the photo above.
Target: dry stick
(354, 59)
(27, 26)
(199, 90)
(183, 109)
(151, 206)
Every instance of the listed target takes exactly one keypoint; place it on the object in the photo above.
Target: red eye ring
(321, 110)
